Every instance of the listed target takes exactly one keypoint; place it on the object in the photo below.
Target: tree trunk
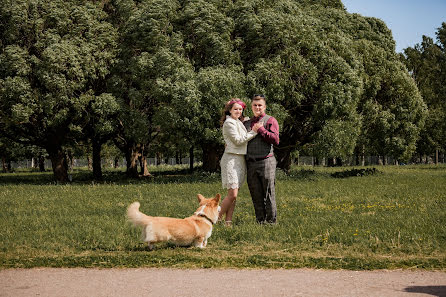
(41, 163)
(191, 158)
(283, 158)
(70, 160)
(143, 163)
(97, 168)
(158, 158)
(4, 165)
(133, 169)
(59, 163)
(128, 159)
(90, 163)
(380, 160)
(211, 157)
(131, 157)
(360, 156)
(339, 162)
(177, 158)
(116, 163)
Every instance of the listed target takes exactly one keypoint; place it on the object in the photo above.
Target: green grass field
(394, 218)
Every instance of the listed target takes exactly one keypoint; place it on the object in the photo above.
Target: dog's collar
(206, 217)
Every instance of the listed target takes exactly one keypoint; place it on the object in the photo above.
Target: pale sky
(408, 20)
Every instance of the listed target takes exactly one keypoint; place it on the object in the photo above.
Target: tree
(197, 117)
(391, 107)
(100, 125)
(208, 29)
(150, 58)
(9, 152)
(312, 60)
(52, 52)
(130, 71)
(289, 58)
(426, 62)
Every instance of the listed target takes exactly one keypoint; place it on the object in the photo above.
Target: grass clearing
(394, 218)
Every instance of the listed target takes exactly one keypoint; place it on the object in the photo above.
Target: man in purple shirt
(261, 163)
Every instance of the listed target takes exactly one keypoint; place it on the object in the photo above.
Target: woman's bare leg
(228, 205)
(231, 208)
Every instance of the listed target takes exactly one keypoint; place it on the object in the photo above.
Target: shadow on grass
(81, 176)
(356, 172)
(311, 174)
(169, 176)
(307, 174)
(28, 177)
(158, 246)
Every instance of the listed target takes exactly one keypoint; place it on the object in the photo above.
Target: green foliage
(52, 53)
(101, 112)
(426, 62)
(217, 85)
(336, 139)
(207, 33)
(152, 74)
(391, 108)
(308, 68)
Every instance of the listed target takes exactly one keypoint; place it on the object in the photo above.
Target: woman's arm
(270, 134)
(232, 132)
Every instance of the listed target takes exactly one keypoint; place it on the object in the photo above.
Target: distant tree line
(153, 76)
(426, 63)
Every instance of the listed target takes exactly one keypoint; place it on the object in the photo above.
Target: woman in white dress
(233, 164)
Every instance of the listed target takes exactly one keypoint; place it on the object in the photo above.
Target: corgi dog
(192, 231)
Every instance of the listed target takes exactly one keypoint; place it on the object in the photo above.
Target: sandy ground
(214, 282)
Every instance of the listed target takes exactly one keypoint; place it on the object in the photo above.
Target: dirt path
(211, 282)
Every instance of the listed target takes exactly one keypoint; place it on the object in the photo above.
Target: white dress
(233, 164)
(233, 170)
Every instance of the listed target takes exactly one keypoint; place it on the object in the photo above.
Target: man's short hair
(258, 97)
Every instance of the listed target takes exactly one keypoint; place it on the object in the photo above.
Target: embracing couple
(249, 152)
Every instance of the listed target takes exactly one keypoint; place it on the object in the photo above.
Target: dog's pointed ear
(217, 197)
(200, 198)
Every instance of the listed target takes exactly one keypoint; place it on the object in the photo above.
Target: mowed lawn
(332, 218)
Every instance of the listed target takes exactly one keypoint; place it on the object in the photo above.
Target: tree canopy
(137, 72)
(427, 63)
(52, 53)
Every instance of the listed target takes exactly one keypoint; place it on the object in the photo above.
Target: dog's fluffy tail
(135, 216)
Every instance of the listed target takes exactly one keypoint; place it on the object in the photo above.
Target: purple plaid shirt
(271, 133)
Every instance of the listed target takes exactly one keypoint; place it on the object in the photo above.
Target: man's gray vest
(257, 148)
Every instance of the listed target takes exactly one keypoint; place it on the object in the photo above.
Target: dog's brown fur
(194, 230)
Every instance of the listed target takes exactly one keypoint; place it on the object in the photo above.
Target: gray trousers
(261, 177)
